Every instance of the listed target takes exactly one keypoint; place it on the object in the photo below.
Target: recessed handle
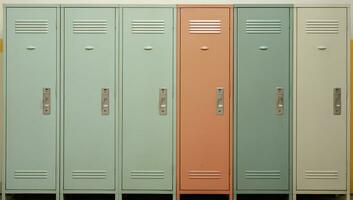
(46, 101)
(163, 101)
(31, 48)
(105, 101)
(89, 48)
(219, 100)
(148, 48)
(204, 48)
(321, 48)
(279, 100)
(263, 48)
(337, 101)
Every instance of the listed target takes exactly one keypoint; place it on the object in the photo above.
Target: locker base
(204, 197)
(321, 197)
(29, 197)
(147, 197)
(89, 197)
(262, 197)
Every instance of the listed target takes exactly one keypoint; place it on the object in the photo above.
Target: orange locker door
(204, 137)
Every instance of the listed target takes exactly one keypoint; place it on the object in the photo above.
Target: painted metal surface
(89, 74)
(263, 88)
(31, 66)
(148, 66)
(204, 140)
(321, 67)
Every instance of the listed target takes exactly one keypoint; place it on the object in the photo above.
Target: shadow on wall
(1, 107)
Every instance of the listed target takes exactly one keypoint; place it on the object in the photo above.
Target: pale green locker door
(31, 77)
(262, 95)
(321, 98)
(89, 98)
(148, 53)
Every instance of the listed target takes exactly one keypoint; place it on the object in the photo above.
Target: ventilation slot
(322, 27)
(263, 174)
(205, 26)
(89, 174)
(31, 26)
(145, 174)
(31, 174)
(147, 26)
(204, 174)
(90, 26)
(263, 26)
(315, 174)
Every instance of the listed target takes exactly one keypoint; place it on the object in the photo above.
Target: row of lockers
(157, 99)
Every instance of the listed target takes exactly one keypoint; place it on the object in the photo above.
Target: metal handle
(321, 47)
(204, 48)
(264, 48)
(46, 101)
(105, 101)
(163, 101)
(219, 100)
(337, 103)
(89, 48)
(31, 48)
(148, 48)
(279, 100)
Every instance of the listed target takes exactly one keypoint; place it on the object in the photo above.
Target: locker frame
(346, 192)
(5, 191)
(290, 158)
(119, 66)
(228, 192)
(62, 40)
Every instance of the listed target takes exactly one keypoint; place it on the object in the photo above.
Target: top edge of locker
(89, 5)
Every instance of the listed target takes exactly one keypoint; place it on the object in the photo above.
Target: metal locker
(89, 99)
(321, 82)
(31, 98)
(204, 99)
(262, 99)
(147, 98)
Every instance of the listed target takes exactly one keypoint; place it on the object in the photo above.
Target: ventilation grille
(90, 26)
(263, 174)
(31, 174)
(316, 174)
(89, 174)
(322, 26)
(263, 26)
(204, 174)
(31, 26)
(146, 174)
(147, 26)
(205, 26)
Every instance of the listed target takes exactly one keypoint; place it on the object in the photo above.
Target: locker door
(262, 86)
(147, 72)
(89, 110)
(204, 80)
(321, 68)
(31, 75)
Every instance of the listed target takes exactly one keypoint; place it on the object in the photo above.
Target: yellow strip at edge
(1, 46)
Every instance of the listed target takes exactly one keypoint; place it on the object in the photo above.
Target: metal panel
(321, 67)
(89, 89)
(148, 98)
(262, 118)
(31, 67)
(204, 70)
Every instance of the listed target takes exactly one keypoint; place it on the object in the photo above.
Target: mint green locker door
(148, 54)
(262, 94)
(31, 77)
(89, 96)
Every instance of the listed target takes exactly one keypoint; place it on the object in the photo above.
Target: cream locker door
(321, 71)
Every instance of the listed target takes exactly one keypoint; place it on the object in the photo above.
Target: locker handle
(147, 48)
(322, 48)
(264, 48)
(31, 48)
(219, 100)
(46, 101)
(279, 100)
(105, 101)
(337, 101)
(163, 101)
(88, 48)
(204, 48)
